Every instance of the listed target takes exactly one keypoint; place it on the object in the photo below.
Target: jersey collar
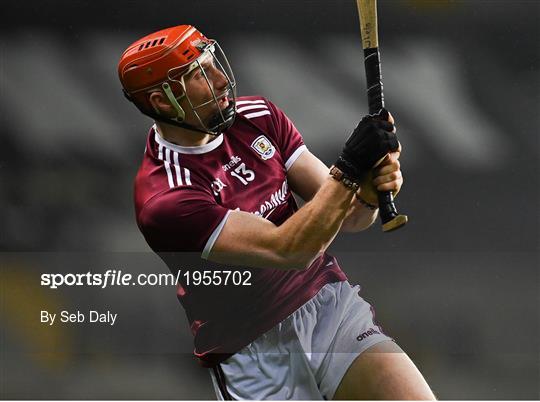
(199, 149)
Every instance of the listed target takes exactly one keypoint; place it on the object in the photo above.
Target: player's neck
(181, 136)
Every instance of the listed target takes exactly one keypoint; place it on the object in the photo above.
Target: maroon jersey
(183, 196)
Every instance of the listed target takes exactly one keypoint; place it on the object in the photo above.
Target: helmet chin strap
(154, 115)
(176, 123)
(224, 126)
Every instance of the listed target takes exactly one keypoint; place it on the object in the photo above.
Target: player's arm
(250, 240)
(253, 241)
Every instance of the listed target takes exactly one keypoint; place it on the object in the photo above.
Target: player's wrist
(364, 203)
(344, 164)
(344, 178)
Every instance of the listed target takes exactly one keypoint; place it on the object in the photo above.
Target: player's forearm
(307, 233)
(358, 218)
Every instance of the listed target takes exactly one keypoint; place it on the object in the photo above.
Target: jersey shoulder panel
(271, 120)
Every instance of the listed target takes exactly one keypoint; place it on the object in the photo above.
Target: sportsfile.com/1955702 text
(113, 277)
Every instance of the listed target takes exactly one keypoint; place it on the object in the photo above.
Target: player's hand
(369, 143)
(386, 176)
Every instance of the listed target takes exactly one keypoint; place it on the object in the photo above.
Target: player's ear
(160, 103)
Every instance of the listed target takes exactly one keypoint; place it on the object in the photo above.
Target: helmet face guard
(222, 118)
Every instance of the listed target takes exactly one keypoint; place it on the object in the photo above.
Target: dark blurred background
(458, 287)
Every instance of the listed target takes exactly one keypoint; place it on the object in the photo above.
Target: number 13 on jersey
(242, 173)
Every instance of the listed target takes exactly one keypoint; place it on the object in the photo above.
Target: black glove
(371, 140)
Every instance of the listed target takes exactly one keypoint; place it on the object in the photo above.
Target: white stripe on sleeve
(251, 107)
(250, 102)
(213, 237)
(187, 175)
(167, 163)
(177, 168)
(256, 114)
(294, 156)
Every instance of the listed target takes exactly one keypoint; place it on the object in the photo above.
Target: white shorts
(306, 355)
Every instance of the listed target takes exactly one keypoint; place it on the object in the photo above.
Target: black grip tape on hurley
(372, 62)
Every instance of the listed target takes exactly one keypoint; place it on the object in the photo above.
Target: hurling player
(216, 181)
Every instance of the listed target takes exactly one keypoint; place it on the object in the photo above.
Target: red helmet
(161, 60)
